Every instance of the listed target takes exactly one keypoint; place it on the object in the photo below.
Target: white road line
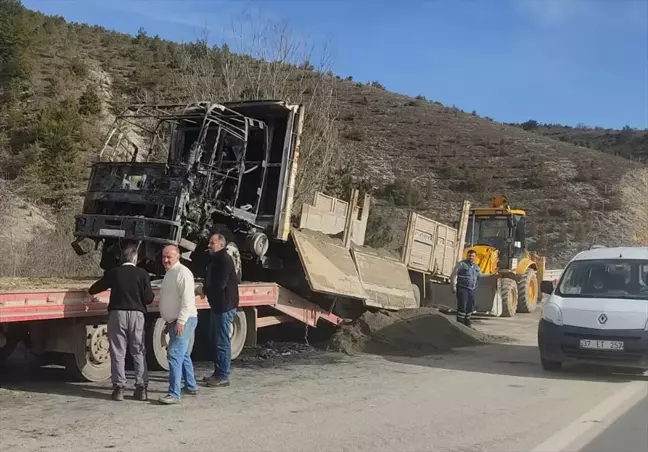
(586, 427)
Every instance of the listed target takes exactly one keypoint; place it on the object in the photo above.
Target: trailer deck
(69, 322)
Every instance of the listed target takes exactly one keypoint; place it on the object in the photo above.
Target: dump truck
(497, 234)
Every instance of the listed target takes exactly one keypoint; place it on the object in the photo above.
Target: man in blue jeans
(221, 289)
(178, 309)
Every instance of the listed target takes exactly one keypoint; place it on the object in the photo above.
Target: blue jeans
(221, 323)
(179, 356)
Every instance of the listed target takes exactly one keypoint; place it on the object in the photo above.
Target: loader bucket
(328, 265)
(385, 279)
(488, 296)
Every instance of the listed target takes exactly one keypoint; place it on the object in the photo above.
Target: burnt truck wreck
(175, 174)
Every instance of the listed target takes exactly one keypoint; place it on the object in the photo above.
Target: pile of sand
(407, 332)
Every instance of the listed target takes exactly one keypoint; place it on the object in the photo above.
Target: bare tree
(269, 61)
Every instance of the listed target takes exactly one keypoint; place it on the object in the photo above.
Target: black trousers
(465, 304)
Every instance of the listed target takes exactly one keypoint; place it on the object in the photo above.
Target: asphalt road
(629, 433)
(475, 399)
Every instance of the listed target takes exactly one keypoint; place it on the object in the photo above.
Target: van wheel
(550, 365)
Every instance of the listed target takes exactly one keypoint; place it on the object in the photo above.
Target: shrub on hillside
(89, 102)
(379, 232)
(405, 193)
(354, 134)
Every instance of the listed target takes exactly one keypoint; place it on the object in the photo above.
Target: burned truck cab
(175, 174)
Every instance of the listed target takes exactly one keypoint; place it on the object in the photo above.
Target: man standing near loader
(464, 282)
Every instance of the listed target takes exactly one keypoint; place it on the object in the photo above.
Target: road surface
(487, 398)
(628, 433)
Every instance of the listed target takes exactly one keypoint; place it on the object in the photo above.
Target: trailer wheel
(509, 297)
(528, 292)
(157, 344)
(8, 343)
(417, 295)
(90, 359)
(238, 333)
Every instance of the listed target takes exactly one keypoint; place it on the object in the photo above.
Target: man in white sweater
(178, 309)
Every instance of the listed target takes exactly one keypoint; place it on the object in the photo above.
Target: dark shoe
(216, 382)
(168, 400)
(140, 393)
(189, 391)
(118, 394)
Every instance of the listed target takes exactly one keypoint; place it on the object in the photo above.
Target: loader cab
(499, 227)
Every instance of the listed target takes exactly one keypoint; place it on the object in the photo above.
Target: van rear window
(605, 279)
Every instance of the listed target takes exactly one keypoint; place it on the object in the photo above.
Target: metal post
(463, 230)
(348, 222)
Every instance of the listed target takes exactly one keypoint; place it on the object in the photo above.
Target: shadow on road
(514, 360)
(437, 341)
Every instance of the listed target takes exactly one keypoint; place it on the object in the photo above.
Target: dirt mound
(407, 332)
(16, 284)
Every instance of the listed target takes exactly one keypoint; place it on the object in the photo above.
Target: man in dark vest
(464, 282)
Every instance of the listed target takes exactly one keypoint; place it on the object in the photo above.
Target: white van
(598, 312)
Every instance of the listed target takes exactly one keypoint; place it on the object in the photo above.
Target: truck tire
(157, 344)
(238, 333)
(8, 342)
(417, 295)
(509, 297)
(528, 292)
(90, 357)
(231, 248)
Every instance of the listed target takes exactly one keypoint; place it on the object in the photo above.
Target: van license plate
(112, 232)
(601, 345)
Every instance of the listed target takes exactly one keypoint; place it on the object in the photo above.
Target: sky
(558, 61)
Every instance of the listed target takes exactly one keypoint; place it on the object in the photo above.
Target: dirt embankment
(407, 332)
(16, 284)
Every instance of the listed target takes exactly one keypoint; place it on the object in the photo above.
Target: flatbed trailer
(67, 322)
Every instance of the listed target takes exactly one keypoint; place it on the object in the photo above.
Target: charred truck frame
(175, 174)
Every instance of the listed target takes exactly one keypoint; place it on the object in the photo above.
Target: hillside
(628, 143)
(62, 84)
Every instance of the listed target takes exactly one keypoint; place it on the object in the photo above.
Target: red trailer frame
(67, 321)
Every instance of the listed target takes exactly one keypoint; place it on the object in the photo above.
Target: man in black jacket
(221, 289)
(130, 293)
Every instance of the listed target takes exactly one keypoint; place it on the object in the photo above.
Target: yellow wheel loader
(512, 274)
